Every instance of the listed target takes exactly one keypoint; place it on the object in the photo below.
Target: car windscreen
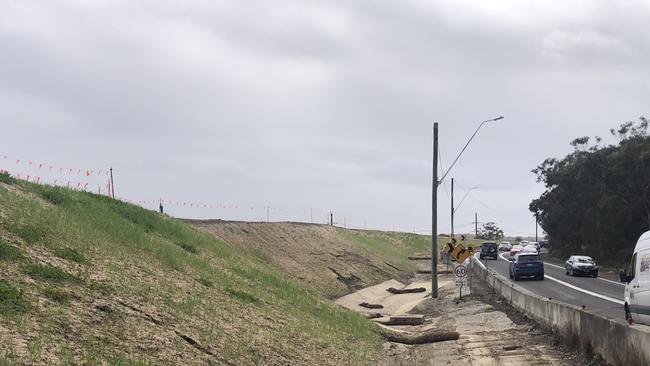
(528, 258)
(585, 260)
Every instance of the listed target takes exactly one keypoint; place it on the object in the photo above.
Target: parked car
(505, 246)
(515, 249)
(526, 265)
(489, 250)
(581, 265)
(637, 279)
(523, 243)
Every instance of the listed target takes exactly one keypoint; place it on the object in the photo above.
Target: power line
(442, 170)
(488, 206)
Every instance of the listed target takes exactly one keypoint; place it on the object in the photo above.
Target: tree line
(597, 198)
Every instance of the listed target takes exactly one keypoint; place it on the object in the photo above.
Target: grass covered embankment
(85, 279)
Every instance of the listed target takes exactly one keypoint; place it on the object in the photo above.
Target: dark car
(526, 265)
(581, 265)
(489, 250)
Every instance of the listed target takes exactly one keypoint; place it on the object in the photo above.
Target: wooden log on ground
(420, 257)
(374, 316)
(427, 336)
(408, 319)
(371, 306)
(394, 290)
(428, 271)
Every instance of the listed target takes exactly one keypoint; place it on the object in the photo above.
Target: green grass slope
(89, 280)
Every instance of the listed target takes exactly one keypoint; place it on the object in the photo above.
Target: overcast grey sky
(323, 105)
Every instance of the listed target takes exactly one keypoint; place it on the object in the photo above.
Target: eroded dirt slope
(331, 260)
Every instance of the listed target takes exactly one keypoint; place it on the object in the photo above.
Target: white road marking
(554, 265)
(614, 282)
(620, 302)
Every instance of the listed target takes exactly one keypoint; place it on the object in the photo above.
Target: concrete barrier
(613, 339)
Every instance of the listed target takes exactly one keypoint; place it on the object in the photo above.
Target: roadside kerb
(613, 339)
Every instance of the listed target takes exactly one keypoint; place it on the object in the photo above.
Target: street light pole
(467, 144)
(465, 196)
(434, 216)
(434, 201)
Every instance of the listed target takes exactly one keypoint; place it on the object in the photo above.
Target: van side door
(641, 303)
(630, 287)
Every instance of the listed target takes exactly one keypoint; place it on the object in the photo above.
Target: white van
(637, 277)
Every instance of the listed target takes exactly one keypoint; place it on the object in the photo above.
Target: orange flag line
(41, 165)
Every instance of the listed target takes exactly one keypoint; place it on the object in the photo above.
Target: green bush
(55, 195)
(31, 234)
(6, 178)
(70, 254)
(188, 248)
(57, 295)
(8, 252)
(47, 273)
(11, 299)
(244, 296)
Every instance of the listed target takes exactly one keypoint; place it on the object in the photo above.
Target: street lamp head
(498, 118)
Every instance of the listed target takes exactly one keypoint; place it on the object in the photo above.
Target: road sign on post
(460, 274)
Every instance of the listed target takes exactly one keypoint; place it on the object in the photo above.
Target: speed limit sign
(460, 274)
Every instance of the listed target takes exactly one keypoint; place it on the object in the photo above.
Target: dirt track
(492, 333)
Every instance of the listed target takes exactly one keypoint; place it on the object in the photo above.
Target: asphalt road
(599, 295)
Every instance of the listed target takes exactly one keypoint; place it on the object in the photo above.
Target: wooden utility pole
(475, 225)
(434, 216)
(452, 207)
(112, 184)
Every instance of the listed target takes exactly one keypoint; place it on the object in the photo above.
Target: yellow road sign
(460, 253)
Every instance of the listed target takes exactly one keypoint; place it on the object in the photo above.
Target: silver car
(581, 265)
(505, 246)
